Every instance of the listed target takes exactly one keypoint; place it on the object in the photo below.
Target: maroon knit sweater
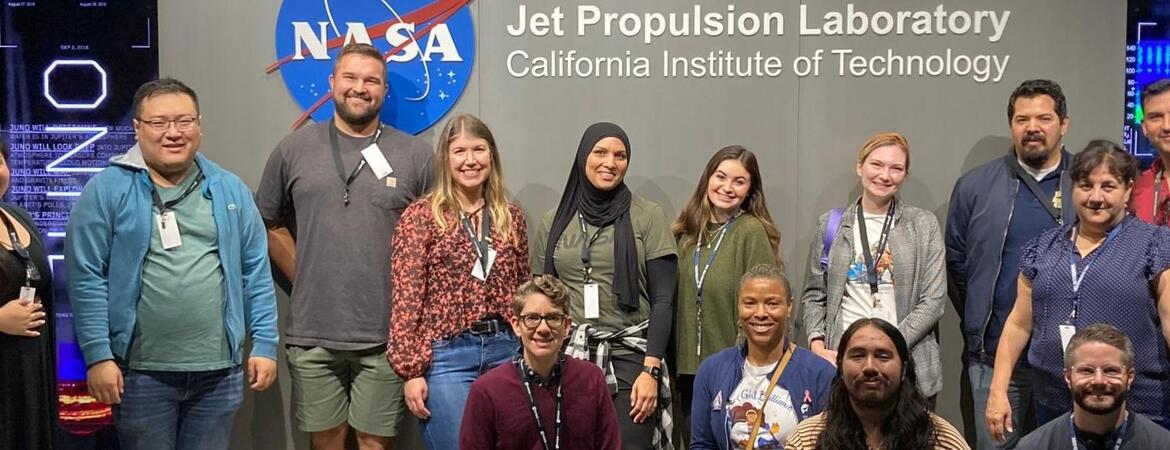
(497, 414)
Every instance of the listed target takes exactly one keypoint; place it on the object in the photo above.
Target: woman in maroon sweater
(543, 400)
(459, 254)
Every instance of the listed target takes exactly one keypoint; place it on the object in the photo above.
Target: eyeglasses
(531, 321)
(183, 124)
(1109, 372)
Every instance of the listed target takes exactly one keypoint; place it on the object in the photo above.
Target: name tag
(478, 271)
(28, 294)
(168, 230)
(592, 302)
(377, 161)
(1066, 333)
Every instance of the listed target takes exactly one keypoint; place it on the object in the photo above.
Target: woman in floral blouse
(460, 252)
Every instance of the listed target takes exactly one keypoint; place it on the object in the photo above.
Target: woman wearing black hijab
(615, 253)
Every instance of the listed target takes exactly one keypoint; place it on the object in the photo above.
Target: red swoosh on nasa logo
(451, 7)
(436, 10)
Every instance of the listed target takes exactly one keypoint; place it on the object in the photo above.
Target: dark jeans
(178, 410)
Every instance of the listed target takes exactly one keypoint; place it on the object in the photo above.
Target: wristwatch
(654, 371)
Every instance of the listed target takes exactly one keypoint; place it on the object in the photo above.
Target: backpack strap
(830, 233)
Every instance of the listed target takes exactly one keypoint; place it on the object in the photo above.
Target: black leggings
(635, 436)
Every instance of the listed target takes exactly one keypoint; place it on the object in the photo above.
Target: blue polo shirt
(1029, 219)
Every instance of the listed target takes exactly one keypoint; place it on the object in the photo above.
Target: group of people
(415, 289)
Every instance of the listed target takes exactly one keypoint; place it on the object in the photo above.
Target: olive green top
(651, 239)
(745, 245)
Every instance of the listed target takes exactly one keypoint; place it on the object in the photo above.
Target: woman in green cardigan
(723, 231)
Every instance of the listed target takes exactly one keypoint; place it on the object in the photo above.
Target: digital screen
(1147, 59)
(70, 72)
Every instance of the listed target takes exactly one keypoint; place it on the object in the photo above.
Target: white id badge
(28, 294)
(478, 272)
(1066, 333)
(881, 312)
(592, 303)
(168, 230)
(377, 161)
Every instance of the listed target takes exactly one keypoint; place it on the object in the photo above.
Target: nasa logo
(429, 47)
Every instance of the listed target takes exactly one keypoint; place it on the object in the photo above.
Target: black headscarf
(599, 208)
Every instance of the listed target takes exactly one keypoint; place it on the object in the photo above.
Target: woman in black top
(28, 376)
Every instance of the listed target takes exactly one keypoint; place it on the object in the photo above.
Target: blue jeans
(178, 410)
(1019, 396)
(455, 364)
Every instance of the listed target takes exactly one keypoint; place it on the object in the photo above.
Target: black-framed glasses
(531, 321)
(182, 124)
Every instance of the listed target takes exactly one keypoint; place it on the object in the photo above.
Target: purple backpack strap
(830, 233)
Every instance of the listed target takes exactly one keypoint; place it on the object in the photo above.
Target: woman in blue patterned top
(1108, 268)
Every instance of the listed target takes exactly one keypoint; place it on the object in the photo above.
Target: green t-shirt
(180, 324)
(745, 245)
(652, 237)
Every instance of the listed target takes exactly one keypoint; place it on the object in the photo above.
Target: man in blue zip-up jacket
(168, 270)
(995, 209)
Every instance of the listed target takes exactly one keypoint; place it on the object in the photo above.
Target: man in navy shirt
(995, 209)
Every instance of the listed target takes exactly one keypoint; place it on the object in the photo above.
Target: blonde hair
(881, 140)
(442, 195)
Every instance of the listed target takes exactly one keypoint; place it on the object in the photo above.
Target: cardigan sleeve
(927, 310)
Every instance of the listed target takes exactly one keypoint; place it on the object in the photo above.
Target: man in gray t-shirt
(331, 212)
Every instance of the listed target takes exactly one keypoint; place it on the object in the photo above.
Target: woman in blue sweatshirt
(726, 410)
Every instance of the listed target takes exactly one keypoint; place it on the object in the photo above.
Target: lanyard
(523, 370)
(483, 243)
(1159, 215)
(346, 181)
(1072, 431)
(164, 207)
(702, 275)
(31, 273)
(870, 266)
(586, 245)
(1046, 201)
(1077, 278)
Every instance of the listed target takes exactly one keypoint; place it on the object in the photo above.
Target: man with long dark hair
(874, 402)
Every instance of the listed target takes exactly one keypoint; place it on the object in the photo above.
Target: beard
(1081, 397)
(355, 118)
(873, 399)
(1033, 158)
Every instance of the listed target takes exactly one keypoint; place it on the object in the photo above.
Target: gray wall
(806, 130)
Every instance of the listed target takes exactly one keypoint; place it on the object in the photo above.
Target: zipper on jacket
(998, 268)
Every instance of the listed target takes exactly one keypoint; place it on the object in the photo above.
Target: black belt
(488, 326)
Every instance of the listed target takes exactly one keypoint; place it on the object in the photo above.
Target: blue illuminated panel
(70, 71)
(1147, 58)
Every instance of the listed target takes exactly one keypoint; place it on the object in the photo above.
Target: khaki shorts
(331, 387)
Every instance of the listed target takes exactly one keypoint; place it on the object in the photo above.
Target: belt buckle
(484, 327)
